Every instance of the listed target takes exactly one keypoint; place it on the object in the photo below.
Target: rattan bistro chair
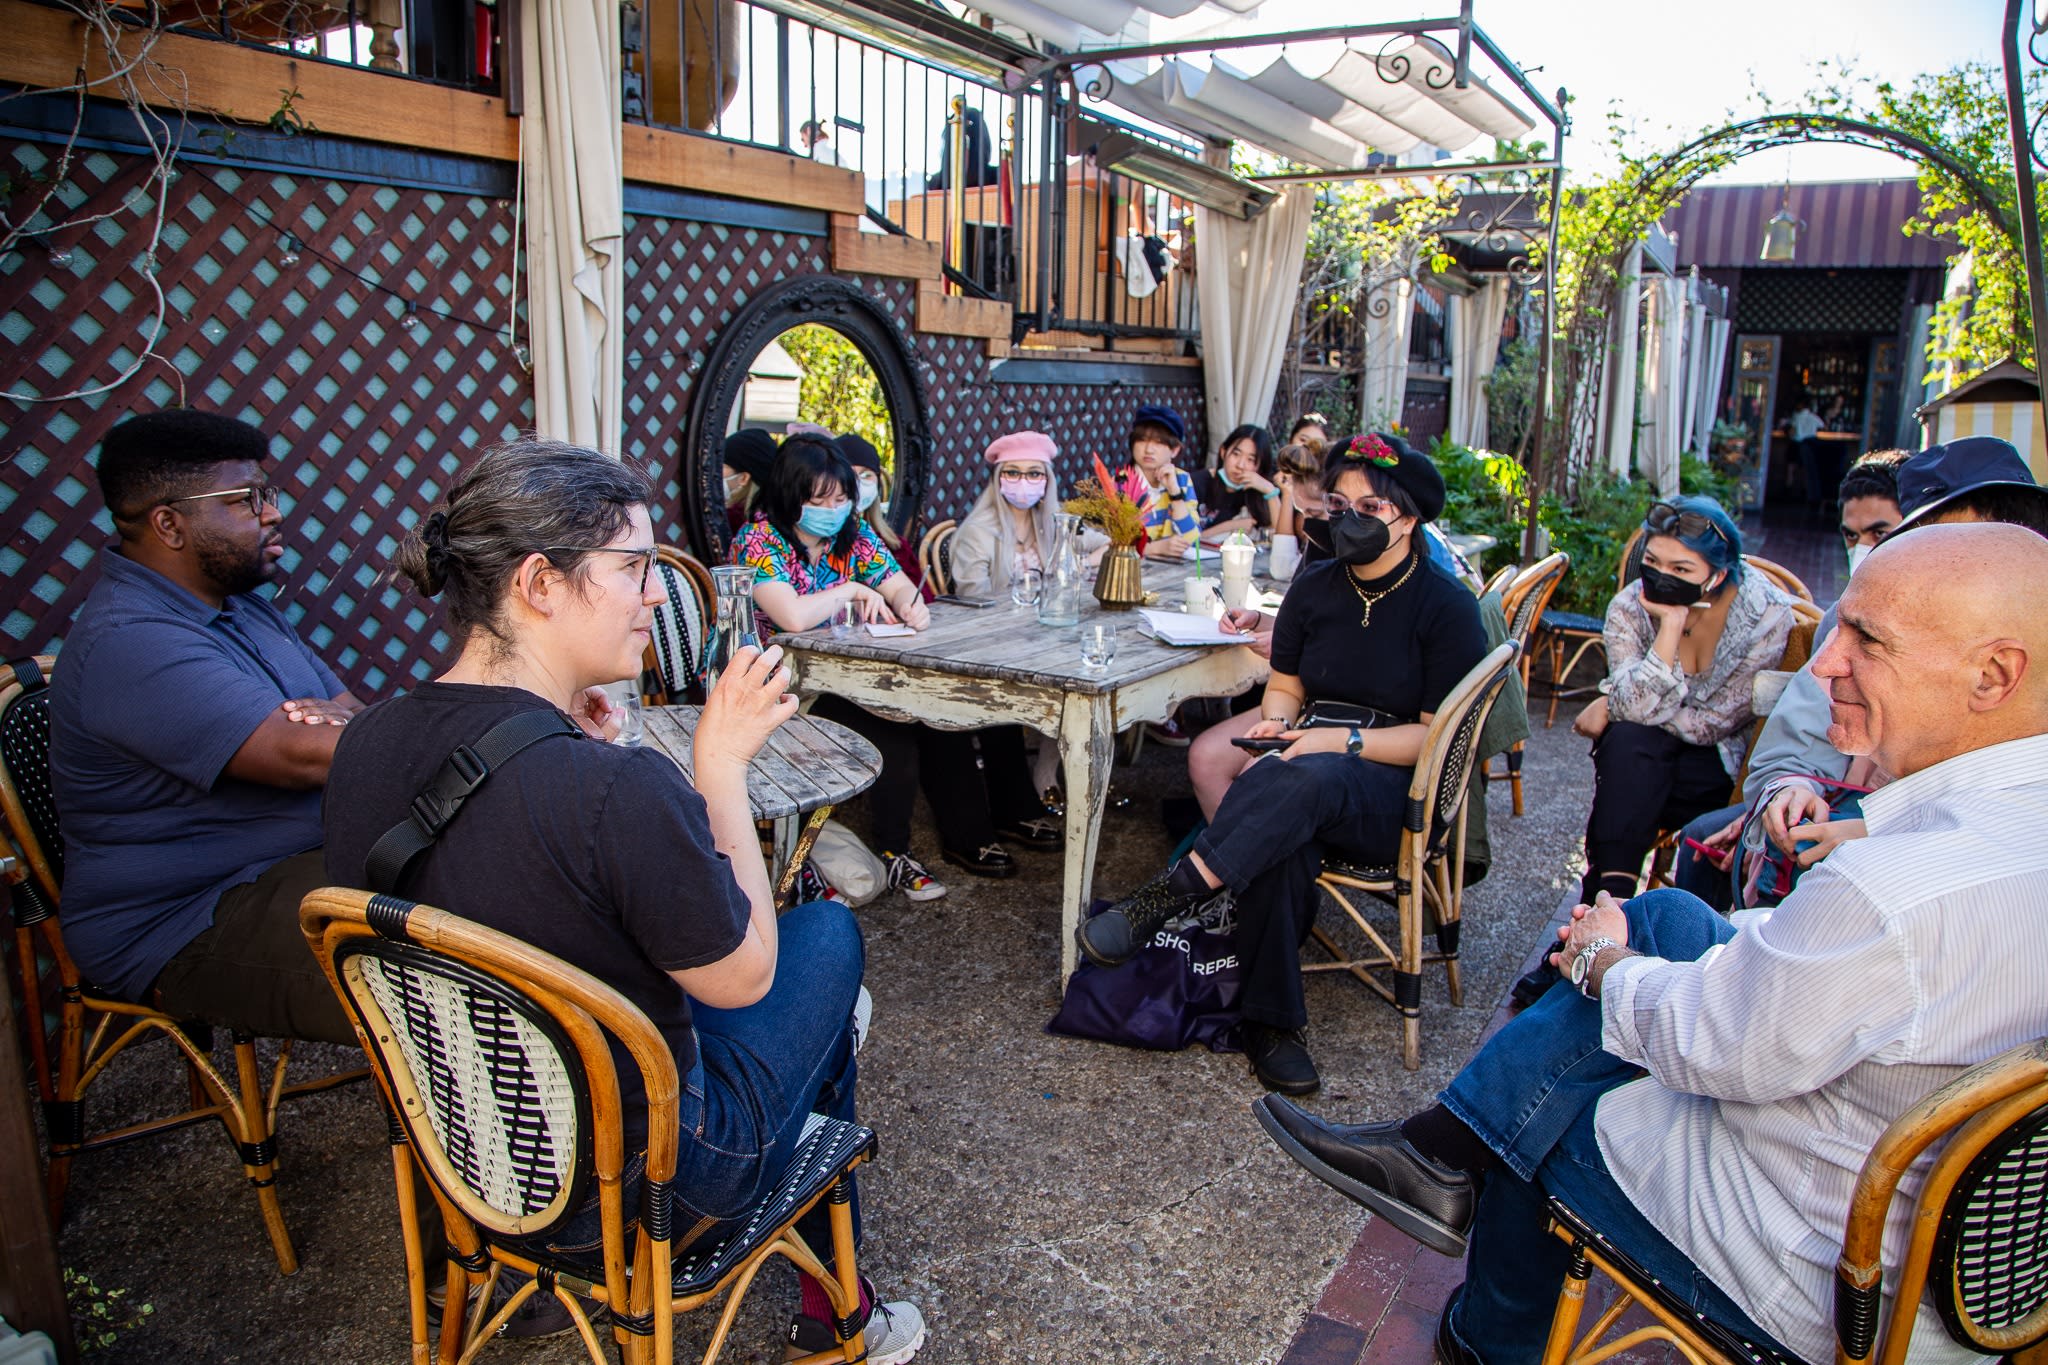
(494, 1057)
(1976, 1247)
(1426, 883)
(935, 557)
(675, 653)
(1523, 600)
(67, 1063)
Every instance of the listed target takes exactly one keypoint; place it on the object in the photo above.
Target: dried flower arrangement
(1112, 506)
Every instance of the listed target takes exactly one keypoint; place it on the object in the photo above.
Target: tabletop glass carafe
(1064, 578)
(732, 620)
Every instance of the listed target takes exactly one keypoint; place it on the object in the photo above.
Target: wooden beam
(953, 315)
(883, 253)
(656, 156)
(248, 85)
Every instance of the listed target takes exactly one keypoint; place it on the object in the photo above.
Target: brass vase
(1120, 582)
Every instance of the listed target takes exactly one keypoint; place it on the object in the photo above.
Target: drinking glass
(1025, 586)
(1098, 646)
(845, 621)
(632, 726)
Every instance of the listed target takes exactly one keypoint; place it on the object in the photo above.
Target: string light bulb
(60, 256)
(411, 320)
(288, 251)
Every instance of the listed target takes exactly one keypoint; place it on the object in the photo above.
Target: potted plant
(1112, 507)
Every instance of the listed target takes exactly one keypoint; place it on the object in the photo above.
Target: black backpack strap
(441, 799)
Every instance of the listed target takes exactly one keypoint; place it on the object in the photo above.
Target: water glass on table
(1098, 646)
(845, 620)
(1025, 585)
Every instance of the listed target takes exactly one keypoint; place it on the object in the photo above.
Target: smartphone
(1262, 746)
(976, 602)
(1718, 857)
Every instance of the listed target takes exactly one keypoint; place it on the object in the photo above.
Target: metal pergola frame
(2023, 17)
(1049, 69)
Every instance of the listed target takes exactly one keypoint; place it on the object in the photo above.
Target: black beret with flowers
(1387, 456)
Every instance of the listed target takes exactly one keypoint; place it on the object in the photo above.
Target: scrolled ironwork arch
(831, 302)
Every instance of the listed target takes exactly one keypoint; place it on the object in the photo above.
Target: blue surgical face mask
(823, 522)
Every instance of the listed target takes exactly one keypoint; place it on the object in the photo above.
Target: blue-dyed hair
(1720, 546)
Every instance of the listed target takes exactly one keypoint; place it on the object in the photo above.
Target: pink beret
(1022, 445)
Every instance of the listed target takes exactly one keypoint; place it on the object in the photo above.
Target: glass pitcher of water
(1064, 581)
(732, 620)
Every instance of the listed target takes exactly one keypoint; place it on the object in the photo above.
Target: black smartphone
(1262, 746)
(976, 602)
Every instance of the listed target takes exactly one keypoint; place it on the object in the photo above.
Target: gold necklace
(1370, 598)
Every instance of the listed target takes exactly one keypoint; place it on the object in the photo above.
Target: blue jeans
(1691, 872)
(760, 1072)
(1530, 1095)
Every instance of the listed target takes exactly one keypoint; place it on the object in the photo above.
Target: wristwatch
(1582, 965)
(1356, 744)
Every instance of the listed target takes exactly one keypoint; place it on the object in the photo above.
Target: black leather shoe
(1110, 938)
(1280, 1059)
(1374, 1165)
(1534, 986)
(1450, 1350)
(1039, 835)
(990, 860)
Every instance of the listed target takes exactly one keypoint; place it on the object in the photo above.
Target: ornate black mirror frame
(831, 302)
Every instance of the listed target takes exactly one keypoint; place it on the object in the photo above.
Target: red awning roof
(1848, 223)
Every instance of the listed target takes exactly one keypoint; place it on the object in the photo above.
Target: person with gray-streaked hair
(1704, 1092)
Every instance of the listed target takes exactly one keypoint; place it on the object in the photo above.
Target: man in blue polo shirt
(191, 731)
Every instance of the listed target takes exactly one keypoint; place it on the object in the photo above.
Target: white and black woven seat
(501, 1065)
(824, 1153)
(677, 643)
(1362, 872)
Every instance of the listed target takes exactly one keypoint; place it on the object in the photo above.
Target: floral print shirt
(775, 560)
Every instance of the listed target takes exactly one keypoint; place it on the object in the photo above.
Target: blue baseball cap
(1164, 417)
(1938, 475)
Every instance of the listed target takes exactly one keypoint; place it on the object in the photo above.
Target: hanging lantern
(1781, 234)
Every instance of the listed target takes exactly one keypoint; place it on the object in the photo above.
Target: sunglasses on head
(1665, 520)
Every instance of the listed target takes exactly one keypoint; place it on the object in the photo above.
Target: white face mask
(734, 485)
(870, 489)
(1857, 554)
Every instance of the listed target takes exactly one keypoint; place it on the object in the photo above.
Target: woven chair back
(1791, 584)
(1990, 1270)
(935, 556)
(1442, 773)
(25, 773)
(677, 647)
(1530, 593)
(1502, 576)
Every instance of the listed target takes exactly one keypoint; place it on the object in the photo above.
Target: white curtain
(1389, 314)
(1618, 414)
(1663, 384)
(1245, 285)
(1714, 371)
(1695, 368)
(575, 219)
(1475, 343)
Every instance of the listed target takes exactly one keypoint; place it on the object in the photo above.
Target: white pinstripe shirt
(1778, 1059)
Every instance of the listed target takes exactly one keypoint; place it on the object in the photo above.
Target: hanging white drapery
(1475, 345)
(1663, 384)
(1695, 369)
(1624, 326)
(575, 219)
(1389, 315)
(1710, 390)
(1249, 274)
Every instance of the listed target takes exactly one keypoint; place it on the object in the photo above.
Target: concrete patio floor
(1043, 1199)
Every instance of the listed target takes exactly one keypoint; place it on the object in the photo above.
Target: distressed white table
(975, 668)
(807, 767)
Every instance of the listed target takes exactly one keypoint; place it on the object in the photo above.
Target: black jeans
(1645, 779)
(913, 756)
(1267, 844)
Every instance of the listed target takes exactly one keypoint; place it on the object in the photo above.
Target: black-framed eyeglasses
(1665, 520)
(645, 555)
(255, 496)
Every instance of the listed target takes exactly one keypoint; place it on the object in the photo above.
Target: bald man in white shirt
(1706, 1095)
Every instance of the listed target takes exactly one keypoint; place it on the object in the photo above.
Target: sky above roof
(1675, 69)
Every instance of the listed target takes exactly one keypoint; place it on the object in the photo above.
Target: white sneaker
(895, 1332)
(863, 1011)
(908, 875)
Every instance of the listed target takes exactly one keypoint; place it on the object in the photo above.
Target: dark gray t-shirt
(599, 855)
(153, 693)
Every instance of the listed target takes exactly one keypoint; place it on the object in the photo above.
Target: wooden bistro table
(807, 767)
(977, 667)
